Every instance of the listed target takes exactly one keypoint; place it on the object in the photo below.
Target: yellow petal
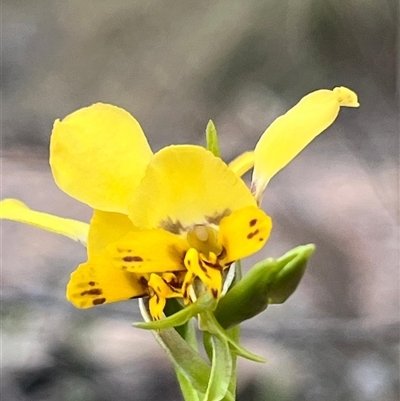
(156, 306)
(161, 286)
(98, 282)
(98, 155)
(12, 209)
(148, 251)
(186, 185)
(244, 233)
(210, 276)
(242, 164)
(106, 228)
(160, 290)
(289, 134)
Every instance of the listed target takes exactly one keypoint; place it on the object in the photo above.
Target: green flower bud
(271, 281)
(248, 297)
(291, 270)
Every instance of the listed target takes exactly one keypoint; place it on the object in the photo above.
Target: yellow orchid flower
(161, 220)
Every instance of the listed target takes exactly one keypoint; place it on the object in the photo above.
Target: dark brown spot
(222, 255)
(261, 239)
(92, 283)
(99, 301)
(203, 268)
(158, 289)
(213, 266)
(93, 291)
(251, 235)
(214, 292)
(143, 281)
(132, 259)
(253, 222)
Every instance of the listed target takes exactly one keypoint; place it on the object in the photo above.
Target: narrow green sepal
(292, 267)
(212, 139)
(209, 323)
(221, 370)
(204, 303)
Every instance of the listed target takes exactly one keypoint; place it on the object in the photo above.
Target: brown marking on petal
(91, 283)
(261, 239)
(217, 217)
(211, 265)
(99, 301)
(93, 291)
(222, 255)
(174, 227)
(132, 259)
(203, 268)
(251, 235)
(214, 292)
(253, 222)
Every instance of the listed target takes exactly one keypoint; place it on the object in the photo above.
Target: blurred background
(174, 65)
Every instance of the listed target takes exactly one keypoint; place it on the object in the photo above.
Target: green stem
(234, 334)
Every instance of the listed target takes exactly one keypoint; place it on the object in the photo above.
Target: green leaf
(187, 331)
(187, 362)
(212, 139)
(291, 270)
(205, 302)
(221, 370)
(234, 334)
(207, 344)
(189, 393)
(209, 323)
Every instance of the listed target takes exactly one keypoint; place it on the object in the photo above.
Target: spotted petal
(98, 281)
(186, 185)
(98, 155)
(244, 232)
(149, 251)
